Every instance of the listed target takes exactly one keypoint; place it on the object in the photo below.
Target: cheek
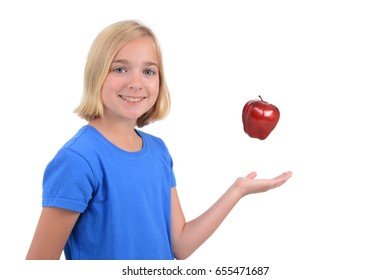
(104, 92)
(157, 89)
(154, 88)
(109, 84)
(109, 87)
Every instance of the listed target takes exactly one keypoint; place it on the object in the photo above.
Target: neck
(122, 135)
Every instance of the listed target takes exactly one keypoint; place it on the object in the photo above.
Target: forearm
(197, 231)
(187, 237)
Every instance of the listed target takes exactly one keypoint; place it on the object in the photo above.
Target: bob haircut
(101, 54)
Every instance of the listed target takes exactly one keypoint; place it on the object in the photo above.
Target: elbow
(181, 257)
(181, 253)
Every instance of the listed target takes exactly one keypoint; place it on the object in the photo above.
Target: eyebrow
(124, 61)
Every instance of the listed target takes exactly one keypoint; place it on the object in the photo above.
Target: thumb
(251, 175)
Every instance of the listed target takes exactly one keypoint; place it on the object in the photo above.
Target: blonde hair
(101, 54)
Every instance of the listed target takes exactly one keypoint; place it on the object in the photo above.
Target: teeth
(131, 99)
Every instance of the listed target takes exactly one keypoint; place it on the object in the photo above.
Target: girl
(110, 191)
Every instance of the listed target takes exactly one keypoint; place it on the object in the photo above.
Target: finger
(284, 175)
(287, 174)
(281, 179)
(251, 175)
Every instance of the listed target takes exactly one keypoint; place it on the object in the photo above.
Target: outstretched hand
(188, 236)
(249, 184)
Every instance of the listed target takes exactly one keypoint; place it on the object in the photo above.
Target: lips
(131, 99)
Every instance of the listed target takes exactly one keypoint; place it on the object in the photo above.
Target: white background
(324, 64)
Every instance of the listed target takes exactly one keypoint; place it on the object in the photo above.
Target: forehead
(141, 48)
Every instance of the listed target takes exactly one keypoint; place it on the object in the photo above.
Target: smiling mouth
(132, 99)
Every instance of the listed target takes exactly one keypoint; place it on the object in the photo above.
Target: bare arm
(188, 236)
(52, 232)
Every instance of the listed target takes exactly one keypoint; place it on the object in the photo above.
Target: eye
(149, 72)
(119, 70)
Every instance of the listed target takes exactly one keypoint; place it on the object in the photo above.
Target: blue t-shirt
(124, 197)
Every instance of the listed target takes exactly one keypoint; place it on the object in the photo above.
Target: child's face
(132, 83)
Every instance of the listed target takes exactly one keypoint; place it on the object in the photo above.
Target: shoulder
(81, 139)
(75, 159)
(79, 151)
(152, 141)
(88, 143)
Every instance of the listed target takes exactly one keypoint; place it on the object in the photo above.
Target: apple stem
(260, 98)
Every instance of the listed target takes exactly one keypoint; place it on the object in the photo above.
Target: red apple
(259, 118)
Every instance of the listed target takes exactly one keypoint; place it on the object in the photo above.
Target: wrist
(237, 190)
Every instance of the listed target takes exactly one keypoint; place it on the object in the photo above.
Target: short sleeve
(171, 173)
(68, 182)
(168, 158)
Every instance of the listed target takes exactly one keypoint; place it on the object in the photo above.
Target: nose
(134, 82)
